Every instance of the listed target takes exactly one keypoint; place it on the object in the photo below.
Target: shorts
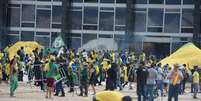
(50, 82)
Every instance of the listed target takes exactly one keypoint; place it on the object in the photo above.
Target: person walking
(195, 82)
(175, 77)
(84, 80)
(151, 82)
(92, 77)
(141, 76)
(50, 74)
(13, 76)
(111, 77)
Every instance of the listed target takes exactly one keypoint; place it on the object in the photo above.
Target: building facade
(158, 26)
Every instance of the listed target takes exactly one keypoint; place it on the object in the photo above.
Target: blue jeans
(173, 92)
(150, 91)
(141, 92)
(59, 88)
(160, 85)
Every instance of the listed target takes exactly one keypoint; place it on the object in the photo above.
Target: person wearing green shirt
(84, 79)
(50, 74)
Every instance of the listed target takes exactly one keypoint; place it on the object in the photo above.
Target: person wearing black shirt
(141, 74)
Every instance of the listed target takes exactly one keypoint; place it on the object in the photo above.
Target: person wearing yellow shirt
(196, 79)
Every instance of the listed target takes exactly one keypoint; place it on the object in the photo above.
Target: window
(140, 21)
(107, 1)
(155, 17)
(120, 28)
(76, 42)
(187, 17)
(187, 30)
(76, 19)
(156, 1)
(43, 18)
(27, 24)
(155, 29)
(106, 21)
(105, 36)
(43, 33)
(88, 37)
(120, 16)
(13, 38)
(141, 1)
(91, 1)
(173, 1)
(43, 0)
(14, 14)
(77, 0)
(57, 14)
(90, 15)
(121, 1)
(90, 27)
(28, 13)
(188, 1)
(27, 36)
(172, 23)
(45, 41)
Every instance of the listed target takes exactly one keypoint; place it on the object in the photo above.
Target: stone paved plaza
(31, 93)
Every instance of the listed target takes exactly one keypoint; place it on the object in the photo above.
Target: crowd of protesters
(117, 69)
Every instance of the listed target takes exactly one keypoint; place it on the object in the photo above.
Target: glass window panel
(91, 1)
(187, 30)
(13, 39)
(43, 33)
(77, 0)
(57, 14)
(187, 17)
(106, 21)
(76, 19)
(90, 27)
(121, 1)
(155, 29)
(76, 43)
(188, 1)
(43, 0)
(107, 1)
(13, 32)
(90, 15)
(140, 22)
(105, 36)
(14, 14)
(28, 13)
(43, 41)
(56, 26)
(43, 18)
(120, 28)
(155, 17)
(156, 1)
(172, 23)
(88, 37)
(141, 1)
(59, 0)
(53, 36)
(120, 16)
(27, 24)
(27, 36)
(173, 1)
(44, 6)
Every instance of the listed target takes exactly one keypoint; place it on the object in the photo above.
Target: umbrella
(29, 46)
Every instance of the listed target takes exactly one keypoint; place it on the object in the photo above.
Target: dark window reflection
(56, 14)
(140, 21)
(188, 1)
(106, 21)
(27, 36)
(88, 37)
(155, 17)
(156, 1)
(14, 14)
(172, 23)
(76, 19)
(91, 1)
(90, 15)
(107, 1)
(43, 18)
(173, 1)
(121, 1)
(28, 13)
(120, 16)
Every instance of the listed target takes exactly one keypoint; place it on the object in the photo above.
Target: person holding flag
(175, 77)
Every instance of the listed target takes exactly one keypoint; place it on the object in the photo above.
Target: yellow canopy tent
(29, 46)
(188, 54)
